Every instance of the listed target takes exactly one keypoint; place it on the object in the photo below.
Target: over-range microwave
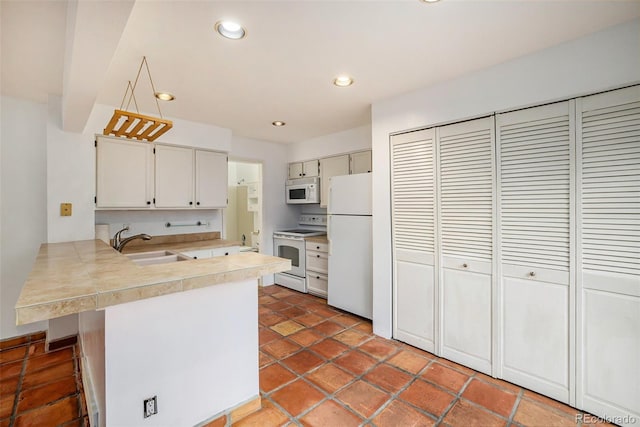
(303, 190)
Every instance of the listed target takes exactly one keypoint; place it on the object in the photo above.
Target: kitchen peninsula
(185, 332)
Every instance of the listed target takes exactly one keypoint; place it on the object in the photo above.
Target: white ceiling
(284, 68)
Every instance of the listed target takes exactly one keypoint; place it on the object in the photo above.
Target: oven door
(291, 248)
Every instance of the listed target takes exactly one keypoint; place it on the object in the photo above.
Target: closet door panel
(609, 254)
(535, 205)
(413, 186)
(466, 223)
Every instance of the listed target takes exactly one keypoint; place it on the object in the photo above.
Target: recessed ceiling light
(165, 96)
(278, 123)
(343, 81)
(429, 1)
(231, 30)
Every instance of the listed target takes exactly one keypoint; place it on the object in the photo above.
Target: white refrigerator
(350, 286)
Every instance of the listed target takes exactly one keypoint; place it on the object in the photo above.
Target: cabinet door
(224, 251)
(295, 170)
(330, 167)
(360, 162)
(310, 168)
(124, 174)
(174, 177)
(465, 202)
(413, 190)
(317, 284)
(211, 179)
(608, 166)
(535, 205)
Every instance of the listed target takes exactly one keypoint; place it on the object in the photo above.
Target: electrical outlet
(150, 406)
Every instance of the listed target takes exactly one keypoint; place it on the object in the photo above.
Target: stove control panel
(313, 219)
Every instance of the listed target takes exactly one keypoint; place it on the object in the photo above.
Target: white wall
(348, 141)
(276, 214)
(594, 63)
(23, 198)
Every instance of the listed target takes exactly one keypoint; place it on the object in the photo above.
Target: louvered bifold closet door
(609, 254)
(466, 156)
(413, 189)
(535, 216)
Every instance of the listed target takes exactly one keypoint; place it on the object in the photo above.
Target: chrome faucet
(119, 244)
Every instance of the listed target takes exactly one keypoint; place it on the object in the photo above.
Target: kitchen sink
(157, 257)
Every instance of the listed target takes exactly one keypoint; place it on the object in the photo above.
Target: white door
(350, 286)
(174, 177)
(466, 212)
(330, 167)
(124, 174)
(360, 162)
(608, 153)
(413, 190)
(211, 179)
(535, 205)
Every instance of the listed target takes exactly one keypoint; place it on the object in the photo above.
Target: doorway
(243, 216)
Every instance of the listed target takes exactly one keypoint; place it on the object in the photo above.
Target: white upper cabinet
(174, 177)
(360, 162)
(210, 179)
(465, 201)
(413, 195)
(124, 173)
(535, 205)
(132, 175)
(330, 167)
(307, 169)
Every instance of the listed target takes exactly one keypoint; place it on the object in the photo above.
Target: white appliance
(303, 190)
(350, 286)
(290, 244)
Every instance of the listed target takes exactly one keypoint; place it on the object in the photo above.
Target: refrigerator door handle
(329, 234)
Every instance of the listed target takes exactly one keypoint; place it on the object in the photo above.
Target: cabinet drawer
(228, 250)
(317, 262)
(315, 246)
(317, 284)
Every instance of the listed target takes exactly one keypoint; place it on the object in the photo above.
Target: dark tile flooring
(38, 388)
(318, 367)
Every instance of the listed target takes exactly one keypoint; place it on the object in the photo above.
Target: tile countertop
(85, 275)
(180, 246)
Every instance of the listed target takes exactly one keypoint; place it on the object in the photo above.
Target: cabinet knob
(299, 174)
(190, 203)
(198, 203)
(532, 274)
(318, 277)
(317, 256)
(304, 174)
(148, 202)
(465, 265)
(226, 253)
(195, 257)
(317, 247)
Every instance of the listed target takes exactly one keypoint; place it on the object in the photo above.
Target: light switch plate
(65, 209)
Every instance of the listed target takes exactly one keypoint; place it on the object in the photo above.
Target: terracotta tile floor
(322, 367)
(38, 388)
(318, 367)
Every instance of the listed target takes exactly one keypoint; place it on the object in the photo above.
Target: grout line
(515, 407)
(23, 370)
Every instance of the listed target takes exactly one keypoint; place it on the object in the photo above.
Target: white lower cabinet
(210, 253)
(317, 267)
(525, 262)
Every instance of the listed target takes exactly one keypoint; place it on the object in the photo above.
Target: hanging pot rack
(135, 125)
